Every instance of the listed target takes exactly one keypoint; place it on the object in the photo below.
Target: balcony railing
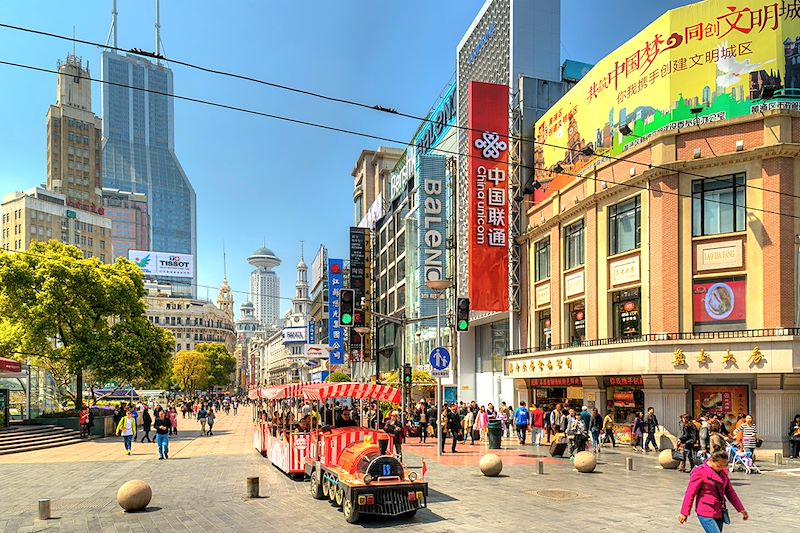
(683, 336)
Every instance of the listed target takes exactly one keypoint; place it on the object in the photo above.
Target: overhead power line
(356, 133)
(374, 107)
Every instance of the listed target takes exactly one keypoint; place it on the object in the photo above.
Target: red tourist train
(346, 464)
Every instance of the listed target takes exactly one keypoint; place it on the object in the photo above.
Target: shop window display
(577, 322)
(625, 398)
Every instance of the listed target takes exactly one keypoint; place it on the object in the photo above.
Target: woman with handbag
(710, 487)
(794, 437)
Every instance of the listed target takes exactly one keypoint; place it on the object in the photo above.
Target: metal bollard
(252, 487)
(778, 458)
(539, 468)
(44, 509)
(629, 463)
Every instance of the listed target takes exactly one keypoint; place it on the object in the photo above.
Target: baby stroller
(741, 460)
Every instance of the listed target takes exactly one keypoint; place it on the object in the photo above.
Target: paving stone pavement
(201, 488)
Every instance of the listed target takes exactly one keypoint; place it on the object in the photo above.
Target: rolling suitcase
(558, 447)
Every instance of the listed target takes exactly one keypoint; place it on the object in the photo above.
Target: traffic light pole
(439, 443)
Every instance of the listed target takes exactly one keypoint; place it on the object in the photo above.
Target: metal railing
(682, 336)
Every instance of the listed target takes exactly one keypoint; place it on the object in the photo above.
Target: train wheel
(351, 514)
(316, 488)
(339, 496)
(326, 488)
(332, 492)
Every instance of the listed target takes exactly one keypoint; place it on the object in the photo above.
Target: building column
(556, 306)
(664, 252)
(778, 242)
(774, 410)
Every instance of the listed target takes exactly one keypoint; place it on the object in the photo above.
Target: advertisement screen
(163, 263)
(705, 62)
(717, 301)
(488, 192)
(722, 400)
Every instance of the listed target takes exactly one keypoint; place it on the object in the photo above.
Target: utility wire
(376, 107)
(362, 134)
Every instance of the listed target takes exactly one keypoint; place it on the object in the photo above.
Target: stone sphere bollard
(666, 460)
(134, 495)
(491, 465)
(585, 462)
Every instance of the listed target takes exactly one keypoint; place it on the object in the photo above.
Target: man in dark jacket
(147, 421)
(689, 437)
(650, 426)
(453, 427)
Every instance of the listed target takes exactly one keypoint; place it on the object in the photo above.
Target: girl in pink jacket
(710, 486)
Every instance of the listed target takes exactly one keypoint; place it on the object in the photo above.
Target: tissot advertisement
(163, 263)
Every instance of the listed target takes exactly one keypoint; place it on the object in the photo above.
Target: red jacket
(538, 418)
(710, 489)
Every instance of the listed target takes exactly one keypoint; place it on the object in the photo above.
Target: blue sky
(259, 179)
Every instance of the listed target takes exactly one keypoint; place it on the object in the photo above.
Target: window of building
(542, 259)
(718, 205)
(624, 226)
(576, 327)
(544, 335)
(626, 310)
(491, 344)
(573, 245)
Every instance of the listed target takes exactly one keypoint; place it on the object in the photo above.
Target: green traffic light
(347, 319)
(463, 325)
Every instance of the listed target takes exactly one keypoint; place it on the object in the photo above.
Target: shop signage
(623, 381)
(556, 382)
(86, 207)
(431, 216)
(312, 332)
(439, 122)
(488, 191)
(543, 294)
(713, 56)
(9, 365)
(294, 335)
(481, 43)
(335, 330)
(717, 301)
(625, 271)
(574, 284)
(402, 172)
(715, 255)
(359, 246)
(163, 263)
(721, 400)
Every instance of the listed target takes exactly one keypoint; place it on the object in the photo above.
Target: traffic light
(346, 309)
(407, 374)
(462, 314)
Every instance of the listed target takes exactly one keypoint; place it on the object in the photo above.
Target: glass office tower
(139, 153)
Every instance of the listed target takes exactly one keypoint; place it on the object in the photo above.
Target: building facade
(246, 327)
(74, 139)
(666, 275)
(139, 152)
(265, 287)
(370, 178)
(40, 215)
(192, 321)
(130, 221)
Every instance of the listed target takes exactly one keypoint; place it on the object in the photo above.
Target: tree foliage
(338, 377)
(70, 314)
(221, 363)
(190, 370)
(419, 379)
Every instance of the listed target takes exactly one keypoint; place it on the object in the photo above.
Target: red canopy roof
(9, 365)
(357, 391)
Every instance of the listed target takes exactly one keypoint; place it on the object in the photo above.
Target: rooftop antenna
(224, 262)
(73, 42)
(301, 251)
(158, 31)
(112, 32)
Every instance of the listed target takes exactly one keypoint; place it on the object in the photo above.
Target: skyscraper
(139, 152)
(265, 287)
(74, 166)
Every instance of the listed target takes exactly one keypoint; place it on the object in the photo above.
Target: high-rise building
(139, 152)
(265, 287)
(74, 165)
(130, 221)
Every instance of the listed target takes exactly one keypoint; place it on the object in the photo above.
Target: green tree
(221, 363)
(190, 370)
(338, 377)
(70, 314)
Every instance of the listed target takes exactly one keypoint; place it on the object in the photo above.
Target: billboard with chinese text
(335, 330)
(701, 63)
(488, 193)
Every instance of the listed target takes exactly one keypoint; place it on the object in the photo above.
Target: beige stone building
(370, 176)
(40, 215)
(191, 320)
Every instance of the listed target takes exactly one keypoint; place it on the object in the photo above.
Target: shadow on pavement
(423, 516)
(439, 497)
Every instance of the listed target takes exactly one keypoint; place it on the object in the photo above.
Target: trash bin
(383, 442)
(495, 430)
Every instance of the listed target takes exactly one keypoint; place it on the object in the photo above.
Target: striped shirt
(748, 435)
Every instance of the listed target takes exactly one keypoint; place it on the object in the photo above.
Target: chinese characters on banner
(335, 331)
(488, 192)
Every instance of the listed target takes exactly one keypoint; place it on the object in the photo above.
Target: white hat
(585, 408)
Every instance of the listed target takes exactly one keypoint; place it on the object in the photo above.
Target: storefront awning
(9, 365)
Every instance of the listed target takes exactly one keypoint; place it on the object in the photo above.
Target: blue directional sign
(440, 359)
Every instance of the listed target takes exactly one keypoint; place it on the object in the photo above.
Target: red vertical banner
(489, 196)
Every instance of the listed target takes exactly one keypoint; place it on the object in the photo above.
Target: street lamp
(439, 286)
